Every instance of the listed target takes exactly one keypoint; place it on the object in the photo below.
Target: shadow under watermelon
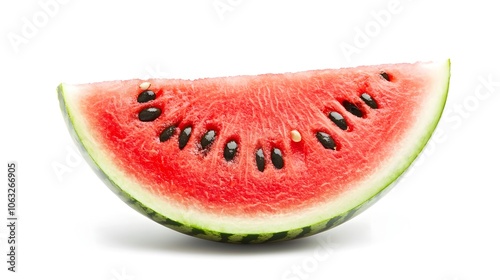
(145, 236)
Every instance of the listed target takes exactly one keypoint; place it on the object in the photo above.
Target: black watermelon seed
(149, 114)
(277, 158)
(338, 120)
(167, 133)
(369, 100)
(326, 140)
(353, 109)
(184, 137)
(146, 96)
(230, 150)
(260, 160)
(207, 139)
(385, 76)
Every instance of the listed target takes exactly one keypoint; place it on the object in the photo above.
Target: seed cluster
(149, 114)
(324, 138)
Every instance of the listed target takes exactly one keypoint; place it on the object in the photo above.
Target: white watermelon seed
(295, 135)
(145, 85)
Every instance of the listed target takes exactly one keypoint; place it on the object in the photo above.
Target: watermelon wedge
(251, 159)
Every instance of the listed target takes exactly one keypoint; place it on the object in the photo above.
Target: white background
(440, 222)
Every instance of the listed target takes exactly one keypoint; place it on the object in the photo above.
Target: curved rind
(250, 238)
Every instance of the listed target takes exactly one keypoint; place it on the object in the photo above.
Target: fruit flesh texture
(272, 106)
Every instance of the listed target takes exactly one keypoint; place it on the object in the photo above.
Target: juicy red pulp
(257, 113)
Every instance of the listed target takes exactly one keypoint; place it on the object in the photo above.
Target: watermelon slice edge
(263, 225)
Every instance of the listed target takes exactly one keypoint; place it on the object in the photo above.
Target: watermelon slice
(253, 159)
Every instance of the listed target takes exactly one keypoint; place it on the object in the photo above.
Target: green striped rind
(239, 238)
(246, 238)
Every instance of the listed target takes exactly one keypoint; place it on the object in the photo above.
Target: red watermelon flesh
(214, 182)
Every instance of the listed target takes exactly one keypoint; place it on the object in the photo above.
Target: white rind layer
(387, 172)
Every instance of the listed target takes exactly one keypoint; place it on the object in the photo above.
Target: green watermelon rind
(208, 234)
